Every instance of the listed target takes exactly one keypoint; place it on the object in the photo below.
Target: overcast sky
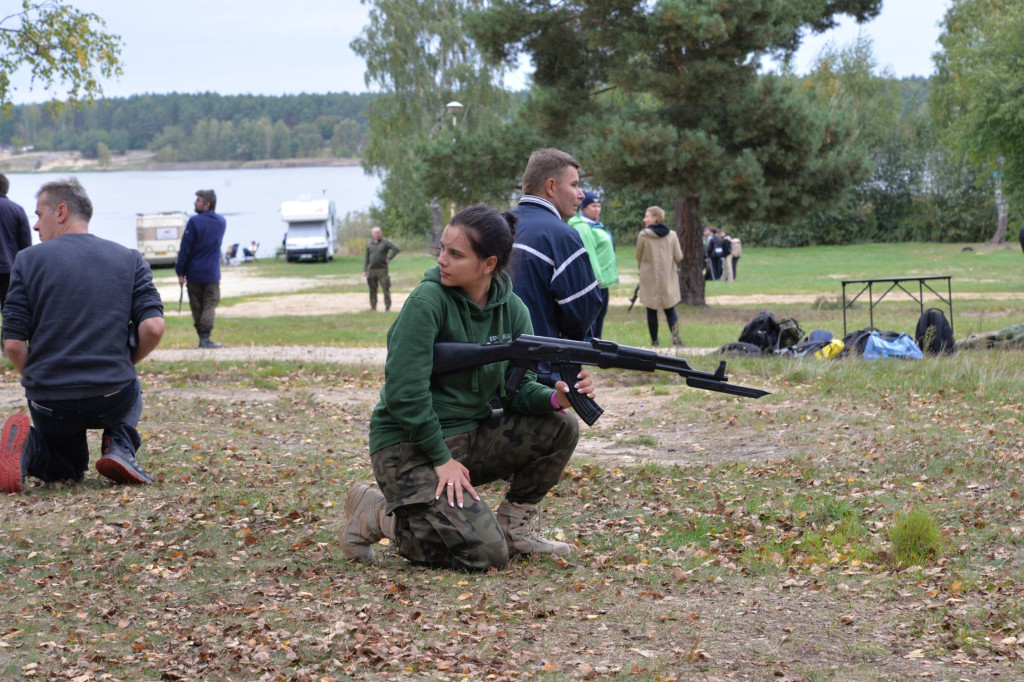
(241, 46)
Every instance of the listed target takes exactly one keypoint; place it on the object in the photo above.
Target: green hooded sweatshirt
(422, 409)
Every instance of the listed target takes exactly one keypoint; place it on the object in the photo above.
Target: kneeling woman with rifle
(432, 438)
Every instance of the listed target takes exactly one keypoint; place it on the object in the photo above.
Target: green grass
(351, 329)
(812, 272)
(915, 539)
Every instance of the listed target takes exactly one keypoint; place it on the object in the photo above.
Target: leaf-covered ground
(716, 539)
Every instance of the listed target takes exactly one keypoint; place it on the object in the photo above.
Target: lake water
(250, 199)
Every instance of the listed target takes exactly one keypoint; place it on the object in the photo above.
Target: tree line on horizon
(197, 127)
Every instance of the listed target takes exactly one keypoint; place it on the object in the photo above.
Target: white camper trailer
(312, 230)
(158, 236)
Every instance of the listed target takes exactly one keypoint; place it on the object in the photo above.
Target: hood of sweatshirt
(659, 229)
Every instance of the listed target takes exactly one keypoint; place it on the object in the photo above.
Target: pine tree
(669, 97)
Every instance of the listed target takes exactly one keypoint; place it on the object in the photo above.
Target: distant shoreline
(139, 160)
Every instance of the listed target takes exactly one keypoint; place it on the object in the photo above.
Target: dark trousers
(375, 277)
(203, 298)
(599, 322)
(58, 446)
(652, 321)
(5, 284)
(716, 268)
(531, 450)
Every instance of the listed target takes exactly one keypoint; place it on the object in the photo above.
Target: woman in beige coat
(657, 253)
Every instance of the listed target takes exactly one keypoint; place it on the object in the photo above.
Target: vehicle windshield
(305, 230)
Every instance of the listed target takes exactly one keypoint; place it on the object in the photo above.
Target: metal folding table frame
(894, 283)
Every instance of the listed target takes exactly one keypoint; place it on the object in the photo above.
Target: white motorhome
(312, 229)
(158, 236)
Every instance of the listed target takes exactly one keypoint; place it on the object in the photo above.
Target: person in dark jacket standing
(15, 235)
(550, 269)
(716, 253)
(198, 265)
(379, 252)
(81, 312)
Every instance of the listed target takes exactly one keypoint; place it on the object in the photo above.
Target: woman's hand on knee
(452, 479)
(584, 384)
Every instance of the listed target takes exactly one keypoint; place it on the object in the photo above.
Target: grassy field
(863, 522)
(812, 275)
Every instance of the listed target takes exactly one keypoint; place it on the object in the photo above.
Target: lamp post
(454, 108)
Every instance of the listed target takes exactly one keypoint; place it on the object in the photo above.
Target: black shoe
(206, 342)
(119, 465)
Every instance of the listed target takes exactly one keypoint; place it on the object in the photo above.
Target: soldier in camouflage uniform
(433, 439)
(379, 252)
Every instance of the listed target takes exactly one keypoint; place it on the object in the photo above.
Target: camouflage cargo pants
(532, 450)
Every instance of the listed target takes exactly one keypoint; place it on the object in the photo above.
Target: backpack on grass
(739, 349)
(854, 342)
(877, 348)
(822, 349)
(762, 331)
(934, 334)
(790, 332)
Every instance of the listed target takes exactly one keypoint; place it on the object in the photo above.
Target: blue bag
(878, 347)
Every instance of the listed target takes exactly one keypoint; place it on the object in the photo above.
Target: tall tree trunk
(1002, 207)
(436, 226)
(1003, 210)
(691, 270)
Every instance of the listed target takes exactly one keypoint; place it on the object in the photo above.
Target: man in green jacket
(379, 252)
(600, 247)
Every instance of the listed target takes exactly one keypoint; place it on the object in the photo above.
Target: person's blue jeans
(59, 449)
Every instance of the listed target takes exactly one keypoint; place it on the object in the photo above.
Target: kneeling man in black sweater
(80, 313)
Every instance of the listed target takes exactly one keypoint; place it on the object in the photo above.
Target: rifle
(566, 357)
(636, 292)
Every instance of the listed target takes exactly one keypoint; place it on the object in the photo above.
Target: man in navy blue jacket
(81, 312)
(198, 265)
(550, 269)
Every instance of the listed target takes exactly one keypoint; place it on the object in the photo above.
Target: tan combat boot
(515, 521)
(365, 522)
